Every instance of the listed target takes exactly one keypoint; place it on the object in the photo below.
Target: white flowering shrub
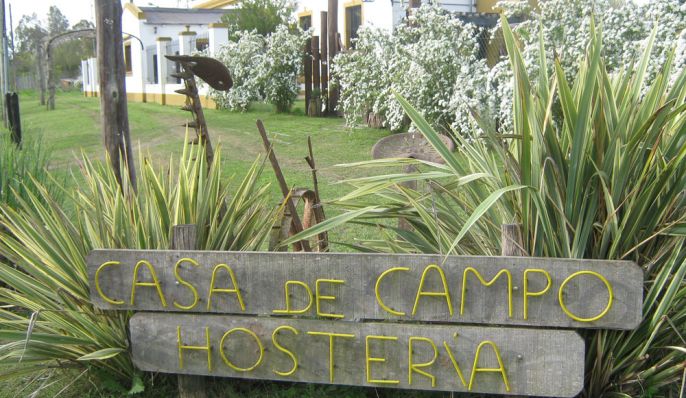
(432, 58)
(565, 28)
(280, 66)
(424, 60)
(262, 69)
(242, 58)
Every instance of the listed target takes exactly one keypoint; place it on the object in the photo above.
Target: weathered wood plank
(261, 278)
(184, 238)
(535, 362)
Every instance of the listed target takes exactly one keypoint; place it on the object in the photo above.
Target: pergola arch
(49, 43)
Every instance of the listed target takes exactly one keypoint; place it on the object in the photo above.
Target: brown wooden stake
(332, 22)
(111, 72)
(307, 63)
(319, 210)
(316, 80)
(511, 240)
(285, 191)
(183, 238)
(41, 71)
(324, 56)
(511, 245)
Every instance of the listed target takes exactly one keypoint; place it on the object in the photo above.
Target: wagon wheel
(312, 214)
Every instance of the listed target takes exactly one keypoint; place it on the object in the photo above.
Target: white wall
(378, 14)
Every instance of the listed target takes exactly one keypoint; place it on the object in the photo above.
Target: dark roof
(182, 16)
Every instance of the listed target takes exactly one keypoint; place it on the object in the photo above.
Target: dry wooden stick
(282, 184)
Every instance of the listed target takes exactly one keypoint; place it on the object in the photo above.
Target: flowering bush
(432, 58)
(280, 66)
(262, 69)
(565, 28)
(424, 60)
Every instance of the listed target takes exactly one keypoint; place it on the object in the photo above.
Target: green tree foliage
(262, 16)
(57, 22)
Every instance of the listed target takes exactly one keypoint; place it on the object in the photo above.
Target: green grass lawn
(157, 132)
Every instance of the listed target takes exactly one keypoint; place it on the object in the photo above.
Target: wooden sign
(537, 292)
(475, 359)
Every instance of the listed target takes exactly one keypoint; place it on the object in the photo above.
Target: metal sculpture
(211, 72)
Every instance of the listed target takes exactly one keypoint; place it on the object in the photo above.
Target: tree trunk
(111, 72)
(41, 72)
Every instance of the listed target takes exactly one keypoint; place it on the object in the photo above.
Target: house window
(202, 44)
(305, 22)
(155, 71)
(353, 20)
(127, 58)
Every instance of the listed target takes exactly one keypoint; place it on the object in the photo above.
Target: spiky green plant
(18, 164)
(605, 179)
(46, 317)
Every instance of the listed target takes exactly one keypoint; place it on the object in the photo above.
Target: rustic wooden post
(332, 33)
(324, 57)
(316, 97)
(183, 238)
(50, 78)
(511, 240)
(113, 106)
(307, 63)
(41, 71)
(511, 245)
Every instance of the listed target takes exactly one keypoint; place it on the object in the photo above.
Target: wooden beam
(111, 72)
(332, 25)
(183, 238)
(325, 56)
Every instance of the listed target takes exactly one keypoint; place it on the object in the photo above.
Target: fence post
(13, 117)
(316, 95)
(323, 32)
(332, 23)
(511, 243)
(183, 238)
(307, 68)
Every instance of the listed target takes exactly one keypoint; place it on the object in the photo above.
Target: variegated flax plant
(46, 317)
(593, 169)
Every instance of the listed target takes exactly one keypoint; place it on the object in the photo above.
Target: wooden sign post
(405, 321)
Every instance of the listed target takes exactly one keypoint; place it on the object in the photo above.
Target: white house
(151, 33)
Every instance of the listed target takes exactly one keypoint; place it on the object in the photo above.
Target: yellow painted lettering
(231, 364)
(285, 350)
(378, 295)
(331, 351)
(319, 297)
(186, 283)
(566, 310)
(155, 282)
(369, 359)
(487, 284)
(415, 367)
(454, 361)
(287, 294)
(500, 369)
(235, 290)
(97, 283)
(528, 294)
(205, 347)
(445, 293)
